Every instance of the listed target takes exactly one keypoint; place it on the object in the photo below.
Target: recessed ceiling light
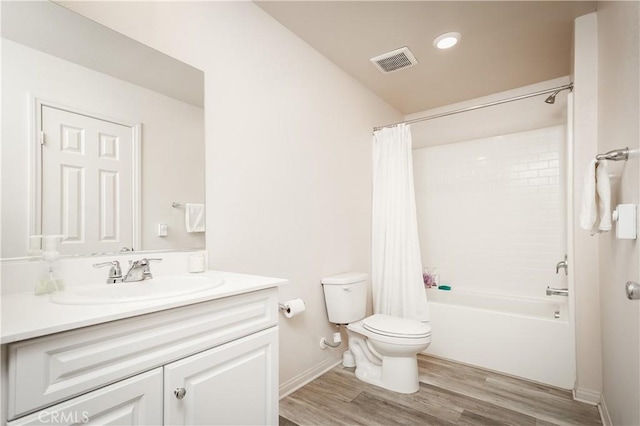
(447, 40)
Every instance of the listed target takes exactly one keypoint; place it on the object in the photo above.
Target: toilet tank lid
(346, 278)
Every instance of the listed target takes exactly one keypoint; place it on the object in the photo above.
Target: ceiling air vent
(395, 60)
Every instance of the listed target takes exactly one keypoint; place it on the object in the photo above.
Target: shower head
(552, 97)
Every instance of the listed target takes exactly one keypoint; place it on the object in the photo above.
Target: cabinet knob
(180, 393)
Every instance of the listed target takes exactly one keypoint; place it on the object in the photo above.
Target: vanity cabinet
(208, 363)
(133, 401)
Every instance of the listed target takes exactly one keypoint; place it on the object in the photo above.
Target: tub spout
(557, 291)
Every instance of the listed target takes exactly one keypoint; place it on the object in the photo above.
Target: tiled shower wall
(492, 212)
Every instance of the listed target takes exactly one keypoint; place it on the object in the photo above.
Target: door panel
(87, 184)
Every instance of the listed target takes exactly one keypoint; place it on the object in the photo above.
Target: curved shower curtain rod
(555, 90)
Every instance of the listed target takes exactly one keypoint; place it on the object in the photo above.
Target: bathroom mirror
(102, 137)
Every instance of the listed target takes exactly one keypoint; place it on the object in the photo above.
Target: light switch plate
(163, 229)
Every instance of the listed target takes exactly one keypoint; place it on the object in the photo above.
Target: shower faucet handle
(557, 291)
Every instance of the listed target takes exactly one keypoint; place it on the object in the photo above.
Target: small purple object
(428, 280)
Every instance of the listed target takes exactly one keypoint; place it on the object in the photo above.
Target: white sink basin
(155, 288)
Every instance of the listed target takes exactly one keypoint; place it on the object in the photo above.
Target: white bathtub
(517, 336)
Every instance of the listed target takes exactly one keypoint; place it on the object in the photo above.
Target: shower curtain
(397, 284)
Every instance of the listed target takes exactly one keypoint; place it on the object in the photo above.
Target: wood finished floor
(450, 394)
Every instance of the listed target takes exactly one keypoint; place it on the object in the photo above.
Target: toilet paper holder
(292, 307)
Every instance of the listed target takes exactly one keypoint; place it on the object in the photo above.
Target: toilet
(384, 348)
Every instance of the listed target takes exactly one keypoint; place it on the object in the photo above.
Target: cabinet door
(233, 384)
(133, 401)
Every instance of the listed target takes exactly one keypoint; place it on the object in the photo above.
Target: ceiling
(505, 44)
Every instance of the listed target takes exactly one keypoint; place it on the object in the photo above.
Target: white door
(233, 384)
(87, 185)
(134, 401)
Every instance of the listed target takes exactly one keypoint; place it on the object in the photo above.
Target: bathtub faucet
(562, 265)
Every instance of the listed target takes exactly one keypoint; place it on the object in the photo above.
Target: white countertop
(25, 316)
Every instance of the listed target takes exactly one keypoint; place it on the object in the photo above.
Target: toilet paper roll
(293, 307)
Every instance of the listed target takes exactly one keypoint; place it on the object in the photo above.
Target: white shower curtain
(397, 284)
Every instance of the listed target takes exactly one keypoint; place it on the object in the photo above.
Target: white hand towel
(596, 199)
(589, 210)
(603, 188)
(194, 217)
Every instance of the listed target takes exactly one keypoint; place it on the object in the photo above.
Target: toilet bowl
(385, 350)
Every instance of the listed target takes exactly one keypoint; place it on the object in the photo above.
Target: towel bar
(614, 155)
(176, 205)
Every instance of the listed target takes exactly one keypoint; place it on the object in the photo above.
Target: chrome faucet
(115, 272)
(562, 265)
(139, 270)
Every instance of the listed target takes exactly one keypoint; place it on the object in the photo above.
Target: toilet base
(402, 376)
(395, 373)
(348, 360)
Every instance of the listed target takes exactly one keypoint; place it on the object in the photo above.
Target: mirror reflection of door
(87, 182)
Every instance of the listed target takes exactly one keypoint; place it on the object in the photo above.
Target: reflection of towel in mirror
(596, 199)
(194, 217)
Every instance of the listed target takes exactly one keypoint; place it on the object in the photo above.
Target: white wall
(172, 142)
(618, 126)
(288, 153)
(491, 211)
(584, 263)
(511, 117)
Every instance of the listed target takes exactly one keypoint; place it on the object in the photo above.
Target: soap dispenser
(49, 281)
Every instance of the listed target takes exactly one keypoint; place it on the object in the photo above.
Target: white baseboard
(587, 396)
(604, 413)
(307, 376)
(594, 398)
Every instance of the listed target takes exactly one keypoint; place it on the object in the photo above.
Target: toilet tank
(346, 297)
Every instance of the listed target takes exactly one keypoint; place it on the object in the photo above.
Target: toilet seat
(390, 326)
